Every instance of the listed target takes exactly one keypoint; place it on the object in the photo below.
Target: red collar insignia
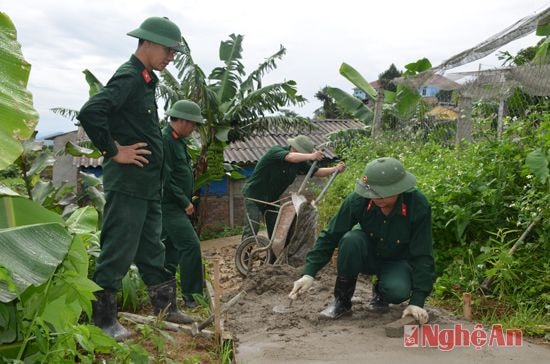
(175, 135)
(146, 76)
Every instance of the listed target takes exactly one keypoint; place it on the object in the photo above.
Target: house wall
(228, 209)
(63, 168)
(428, 91)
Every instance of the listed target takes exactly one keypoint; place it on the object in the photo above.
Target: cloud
(60, 38)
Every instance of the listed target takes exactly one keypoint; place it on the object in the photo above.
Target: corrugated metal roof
(87, 162)
(251, 150)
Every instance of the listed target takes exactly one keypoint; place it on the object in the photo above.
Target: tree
(329, 110)
(387, 76)
(235, 105)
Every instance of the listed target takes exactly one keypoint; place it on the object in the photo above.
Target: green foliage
(224, 232)
(16, 108)
(133, 292)
(387, 76)
(329, 110)
(483, 196)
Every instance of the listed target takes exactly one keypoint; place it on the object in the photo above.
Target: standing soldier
(122, 121)
(384, 228)
(181, 240)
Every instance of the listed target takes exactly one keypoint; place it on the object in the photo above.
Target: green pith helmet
(159, 30)
(302, 144)
(384, 177)
(187, 110)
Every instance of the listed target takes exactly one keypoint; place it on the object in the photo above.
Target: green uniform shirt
(125, 111)
(405, 234)
(178, 184)
(273, 175)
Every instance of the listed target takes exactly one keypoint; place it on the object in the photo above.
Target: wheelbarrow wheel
(244, 252)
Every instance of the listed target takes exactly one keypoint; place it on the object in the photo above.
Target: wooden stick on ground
(467, 309)
(217, 293)
(169, 326)
(485, 287)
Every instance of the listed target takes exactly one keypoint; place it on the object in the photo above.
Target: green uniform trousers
(257, 212)
(357, 254)
(130, 233)
(183, 249)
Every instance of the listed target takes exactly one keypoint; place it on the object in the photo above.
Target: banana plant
(234, 104)
(18, 117)
(403, 102)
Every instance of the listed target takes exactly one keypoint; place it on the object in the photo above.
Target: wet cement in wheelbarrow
(264, 335)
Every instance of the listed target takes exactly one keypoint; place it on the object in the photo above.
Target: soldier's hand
(340, 167)
(132, 154)
(301, 286)
(190, 209)
(420, 314)
(317, 155)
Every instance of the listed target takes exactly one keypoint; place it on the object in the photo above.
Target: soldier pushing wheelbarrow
(275, 171)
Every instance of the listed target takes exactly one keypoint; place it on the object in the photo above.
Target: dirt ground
(267, 330)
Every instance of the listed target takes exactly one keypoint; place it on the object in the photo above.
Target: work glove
(418, 313)
(301, 286)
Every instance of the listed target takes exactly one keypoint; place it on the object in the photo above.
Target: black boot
(104, 315)
(377, 304)
(343, 292)
(163, 299)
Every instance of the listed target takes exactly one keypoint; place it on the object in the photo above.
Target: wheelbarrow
(293, 232)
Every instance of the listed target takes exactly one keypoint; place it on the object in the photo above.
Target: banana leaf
(406, 101)
(19, 211)
(31, 254)
(537, 162)
(82, 221)
(93, 82)
(350, 104)
(77, 151)
(18, 117)
(358, 80)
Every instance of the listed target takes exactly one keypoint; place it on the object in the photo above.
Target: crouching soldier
(383, 228)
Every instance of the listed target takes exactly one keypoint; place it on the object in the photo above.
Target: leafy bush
(483, 196)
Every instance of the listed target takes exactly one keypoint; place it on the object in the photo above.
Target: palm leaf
(64, 112)
(267, 124)
(268, 99)
(264, 67)
(229, 77)
(17, 113)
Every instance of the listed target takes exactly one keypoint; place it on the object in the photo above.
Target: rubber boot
(104, 315)
(343, 292)
(377, 304)
(163, 299)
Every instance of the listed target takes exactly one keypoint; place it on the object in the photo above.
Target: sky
(61, 38)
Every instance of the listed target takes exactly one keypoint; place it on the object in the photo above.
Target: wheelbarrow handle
(332, 177)
(308, 176)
